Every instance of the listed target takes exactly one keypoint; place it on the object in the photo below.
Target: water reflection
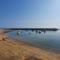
(36, 31)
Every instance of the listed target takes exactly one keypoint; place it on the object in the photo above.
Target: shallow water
(49, 40)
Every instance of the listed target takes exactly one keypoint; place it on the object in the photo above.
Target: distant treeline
(42, 29)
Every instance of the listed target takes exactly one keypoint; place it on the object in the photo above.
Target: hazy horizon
(30, 13)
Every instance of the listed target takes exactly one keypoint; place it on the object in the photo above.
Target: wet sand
(13, 50)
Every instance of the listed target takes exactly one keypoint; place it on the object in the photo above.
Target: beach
(13, 50)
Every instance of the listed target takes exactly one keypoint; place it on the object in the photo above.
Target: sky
(30, 13)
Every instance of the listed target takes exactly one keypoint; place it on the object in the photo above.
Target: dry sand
(13, 50)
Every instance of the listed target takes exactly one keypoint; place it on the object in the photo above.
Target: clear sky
(30, 13)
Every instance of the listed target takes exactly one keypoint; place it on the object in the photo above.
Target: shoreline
(48, 49)
(13, 50)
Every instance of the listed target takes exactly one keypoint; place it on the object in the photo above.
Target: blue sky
(30, 13)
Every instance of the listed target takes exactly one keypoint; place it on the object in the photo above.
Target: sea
(48, 40)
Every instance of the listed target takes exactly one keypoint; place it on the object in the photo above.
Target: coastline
(13, 50)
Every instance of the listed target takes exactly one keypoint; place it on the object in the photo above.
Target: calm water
(48, 40)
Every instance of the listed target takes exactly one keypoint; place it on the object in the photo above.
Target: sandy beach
(13, 50)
